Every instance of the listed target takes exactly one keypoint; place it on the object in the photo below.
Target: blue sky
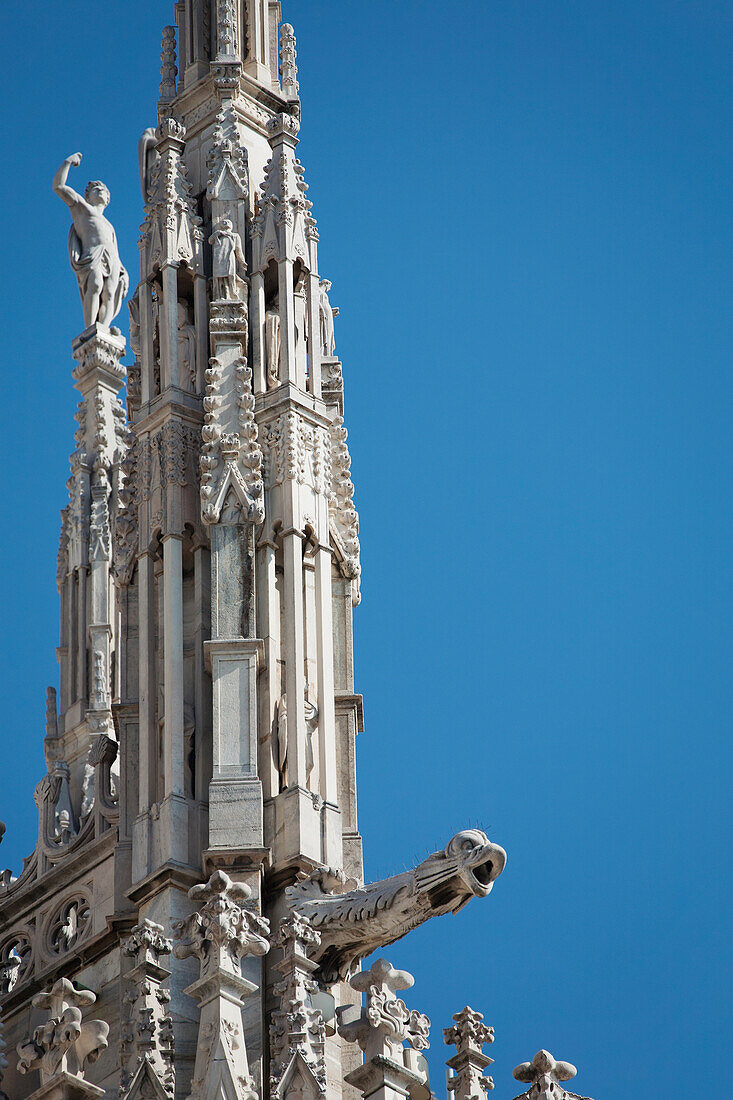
(524, 208)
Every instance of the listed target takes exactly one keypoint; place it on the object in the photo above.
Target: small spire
(168, 68)
(468, 1035)
(288, 66)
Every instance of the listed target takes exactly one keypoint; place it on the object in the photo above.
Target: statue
(326, 314)
(272, 343)
(228, 255)
(102, 279)
(186, 348)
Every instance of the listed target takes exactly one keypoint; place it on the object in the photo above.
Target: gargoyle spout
(355, 920)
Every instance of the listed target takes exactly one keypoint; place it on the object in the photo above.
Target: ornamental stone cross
(544, 1074)
(468, 1036)
(62, 1046)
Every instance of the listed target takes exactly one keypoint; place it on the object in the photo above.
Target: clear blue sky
(524, 207)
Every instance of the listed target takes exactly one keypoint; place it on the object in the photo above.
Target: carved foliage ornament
(223, 930)
(545, 1075)
(64, 1044)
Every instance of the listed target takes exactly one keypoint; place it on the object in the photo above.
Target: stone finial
(219, 936)
(545, 1075)
(64, 1044)
(147, 1043)
(288, 67)
(297, 1030)
(386, 1022)
(468, 1035)
(168, 69)
(223, 930)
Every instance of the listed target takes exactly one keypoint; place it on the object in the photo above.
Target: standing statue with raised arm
(102, 279)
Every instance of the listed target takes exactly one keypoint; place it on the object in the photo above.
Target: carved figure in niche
(186, 348)
(133, 308)
(272, 343)
(282, 741)
(189, 741)
(93, 252)
(228, 257)
(326, 313)
(155, 297)
(311, 722)
(147, 157)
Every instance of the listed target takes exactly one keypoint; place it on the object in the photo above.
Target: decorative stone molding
(297, 1030)
(545, 1075)
(355, 920)
(99, 350)
(386, 1023)
(224, 930)
(168, 68)
(62, 1047)
(231, 461)
(283, 227)
(228, 178)
(219, 936)
(343, 514)
(468, 1035)
(171, 232)
(147, 1043)
(288, 66)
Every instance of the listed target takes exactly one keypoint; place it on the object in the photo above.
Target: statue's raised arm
(102, 279)
(68, 194)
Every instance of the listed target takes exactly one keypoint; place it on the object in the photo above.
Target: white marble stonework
(192, 920)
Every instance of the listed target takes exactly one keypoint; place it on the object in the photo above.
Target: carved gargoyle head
(468, 867)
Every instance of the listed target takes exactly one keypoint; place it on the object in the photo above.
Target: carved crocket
(355, 920)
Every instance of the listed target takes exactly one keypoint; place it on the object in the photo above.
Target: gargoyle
(355, 920)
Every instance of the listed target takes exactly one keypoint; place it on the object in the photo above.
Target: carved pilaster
(297, 1030)
(147, 1032)
(220, 934)
(468, 1035)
